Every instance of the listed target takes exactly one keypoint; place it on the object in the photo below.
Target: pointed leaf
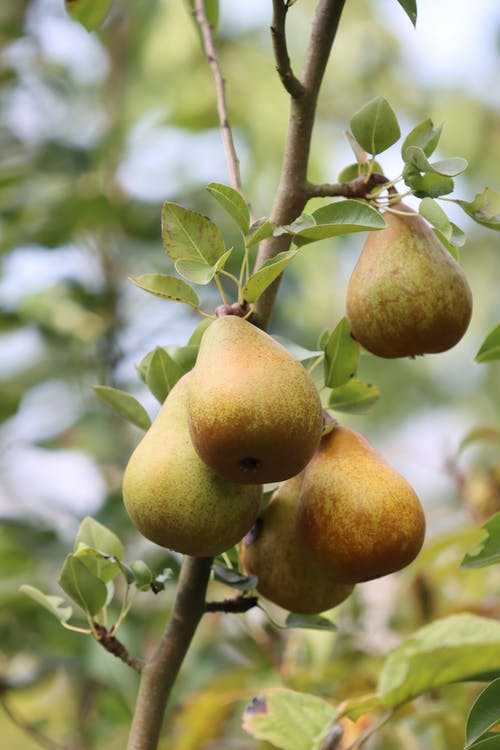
(104, 567)
(484, 209)
(489, 552)
(427, 185)
(162, 374)
(341, 356)
(267, 273)
(259, 230)
(168, 287)
(190, 235)
(125, 405)
(490, 348)
(234, 578)
(424, 136)
(452, 649)
(309, 622)
(90, 13)
(196, 336)
(82, 586)
(354, 397)
(340, 217)
(233, 202)
(410, 8)
(288, 719)
(94, 534)
(415, 156)
(484, 714)
(52, 603)
(375, 126)
(434, 214)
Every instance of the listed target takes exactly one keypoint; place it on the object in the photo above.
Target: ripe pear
(254, 413)
(287, 576)
(173, 497)
(359, 518)
(407, 295)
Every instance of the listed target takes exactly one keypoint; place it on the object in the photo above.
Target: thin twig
(238, 604)
(360, 187)
(280, 47)
(30, 729)
(220, 88)
(116, 647)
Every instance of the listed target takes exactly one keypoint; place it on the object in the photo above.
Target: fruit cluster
(249, 414)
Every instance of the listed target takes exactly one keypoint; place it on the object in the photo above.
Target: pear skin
(172, 496)
(254, 413)
(358, 517)
(286, 574)
(407, 295)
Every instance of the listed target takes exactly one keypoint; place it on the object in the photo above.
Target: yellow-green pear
(407, 295)
(254, 412)
(174, 498)
(358, 517)
(286, 574)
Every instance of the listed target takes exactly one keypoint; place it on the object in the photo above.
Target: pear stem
(160, 670)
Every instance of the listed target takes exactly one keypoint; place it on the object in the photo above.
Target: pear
(172, 496)
(286, 574)
(407, 295)
(358, 517)
(254, 413)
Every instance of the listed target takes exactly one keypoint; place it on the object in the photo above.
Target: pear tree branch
(161, 669)
(207, 34)
(294, 190)
(280, 47)
(116, 647)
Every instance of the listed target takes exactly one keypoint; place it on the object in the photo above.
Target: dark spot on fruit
(250, 464)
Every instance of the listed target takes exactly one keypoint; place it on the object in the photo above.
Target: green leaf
(415, 156)
(424, 136)
(489, 552)
(52, 603)
(484, 714)
(124, 404)
(234, 578)
(434, 214)
(428, 185)
(267, 273)
(162, 374)
(484, 209)
(189, 235)
(490, 742)
(195, 271)
(82, 586)
(168, 287)
(341, 356)
(142, 574)
(340, 217)
(197, 335)
(102, 566)
(310, 622)
(375, 126)
(233, 202)
(490, 348)
(410, 8)
(94, 534)
(354, 397)
(260, 230)
(90, 13)
(288, 719)
(449, 650)
(353, 171)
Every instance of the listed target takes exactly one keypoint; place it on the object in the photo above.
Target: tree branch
(357, 188)
(238, 604)
(293, 191)
(283, 64)
(160, 671)
(116, 647)
(220, 89)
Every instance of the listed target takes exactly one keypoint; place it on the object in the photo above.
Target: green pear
(172, 496)
(286, 574)
(254, 413)
(407, 295)
(358, 517)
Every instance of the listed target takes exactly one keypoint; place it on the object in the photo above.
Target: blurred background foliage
(96, 131)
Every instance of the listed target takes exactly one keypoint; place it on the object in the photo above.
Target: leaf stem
(160, 671)
(221, 289)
